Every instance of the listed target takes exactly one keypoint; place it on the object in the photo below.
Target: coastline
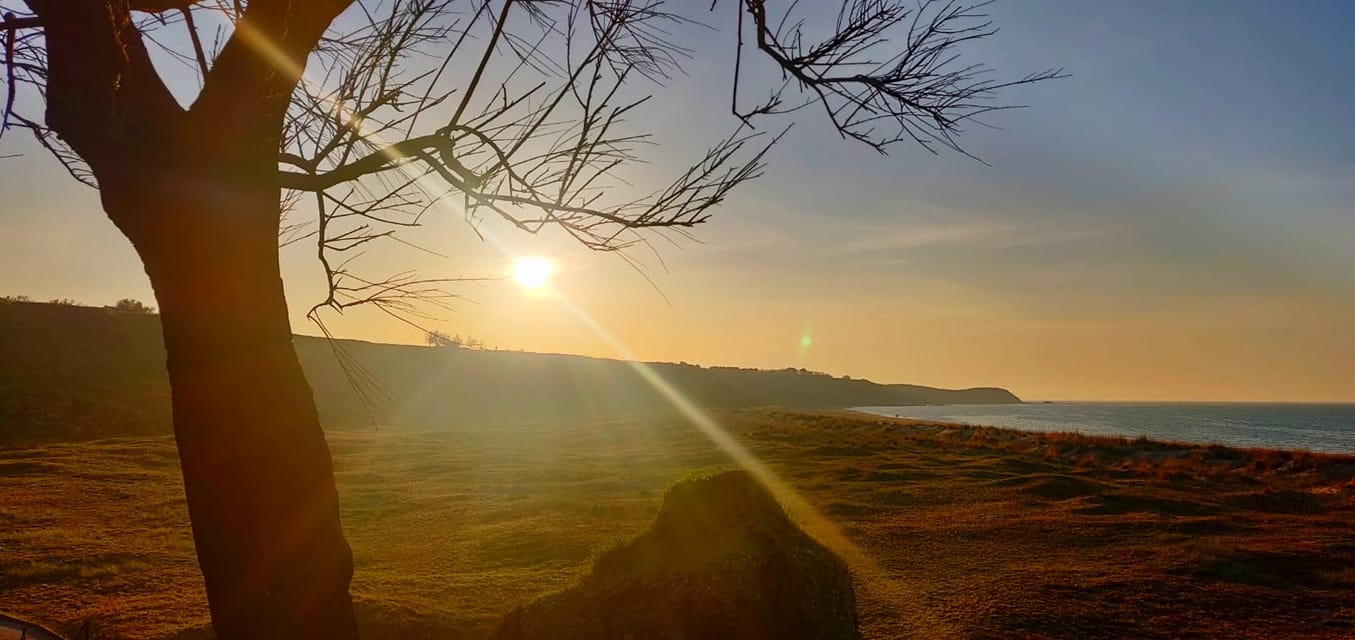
(1318, 427)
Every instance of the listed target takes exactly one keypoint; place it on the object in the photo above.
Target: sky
(1173, 221)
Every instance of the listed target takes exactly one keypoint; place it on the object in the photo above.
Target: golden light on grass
(906, 598)
(533, 273)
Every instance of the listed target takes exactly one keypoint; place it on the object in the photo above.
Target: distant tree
(63, 302)
(129, 305)
(17, 298)
(520, 113)
(436, 338)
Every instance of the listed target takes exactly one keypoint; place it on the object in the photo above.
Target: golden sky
(1149, 229)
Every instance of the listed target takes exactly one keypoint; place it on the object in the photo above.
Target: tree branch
(265, 57)
(197, 42)
(385, 159)
(101, 87)
(917, 92)
(161, 6)
(15, 23)
(546, 151)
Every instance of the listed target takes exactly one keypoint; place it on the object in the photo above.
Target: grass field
(966, 532)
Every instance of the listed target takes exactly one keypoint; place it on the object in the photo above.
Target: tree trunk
(256, 466)
(196, 191)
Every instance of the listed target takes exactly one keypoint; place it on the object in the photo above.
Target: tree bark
(196, 191)
(256, 467)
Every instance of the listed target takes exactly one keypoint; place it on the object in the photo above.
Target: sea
(1315, 427)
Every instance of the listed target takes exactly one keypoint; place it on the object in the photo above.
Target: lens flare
(906, 598)
(536, 273)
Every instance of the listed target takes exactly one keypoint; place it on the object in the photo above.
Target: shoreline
(1313, 427)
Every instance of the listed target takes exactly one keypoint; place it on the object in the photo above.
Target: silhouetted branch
(14, 23)
(517, 109)
(915, 89)
(197, 43)
(161, 6)
(15, 46)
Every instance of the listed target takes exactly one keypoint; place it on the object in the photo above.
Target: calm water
(1319, 427)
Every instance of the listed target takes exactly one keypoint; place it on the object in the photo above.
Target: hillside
(82, 372)
(950, 532)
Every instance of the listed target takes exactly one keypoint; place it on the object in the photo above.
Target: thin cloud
(977, 234)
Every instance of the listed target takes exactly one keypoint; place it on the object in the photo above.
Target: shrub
(437, 338)
(128, 305)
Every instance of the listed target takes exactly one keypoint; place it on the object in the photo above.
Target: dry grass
(975, 532)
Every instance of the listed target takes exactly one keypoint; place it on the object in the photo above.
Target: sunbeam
(534, 273)
(813, 522)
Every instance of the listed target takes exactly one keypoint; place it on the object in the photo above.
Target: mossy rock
(721, 561)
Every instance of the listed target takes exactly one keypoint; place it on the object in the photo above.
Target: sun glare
(533, 273)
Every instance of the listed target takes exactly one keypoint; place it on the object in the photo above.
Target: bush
(722, 561)
(437, 338)
(128, 305)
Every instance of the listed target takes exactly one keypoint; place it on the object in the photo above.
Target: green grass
(973, 532)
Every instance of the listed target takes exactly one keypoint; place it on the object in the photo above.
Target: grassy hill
(958, 532)
(80, 372)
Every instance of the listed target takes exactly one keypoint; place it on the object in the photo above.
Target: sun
(533, 273)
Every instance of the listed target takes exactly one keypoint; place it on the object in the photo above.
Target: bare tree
(365, 116)
(435, 338)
